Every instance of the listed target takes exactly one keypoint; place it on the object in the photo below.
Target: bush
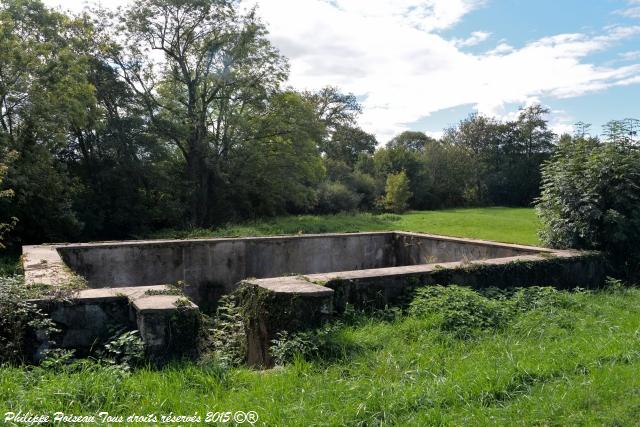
(366, 188)
(17, 318)
(321, 343)
(125, 349)
(459, 310)
(591, 200)
(224, 337)
(336, 197)
(397, 192)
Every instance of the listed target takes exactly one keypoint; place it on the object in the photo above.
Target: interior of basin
(222, 263)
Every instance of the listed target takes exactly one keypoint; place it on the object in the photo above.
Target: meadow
(454, 357)
(510, 225)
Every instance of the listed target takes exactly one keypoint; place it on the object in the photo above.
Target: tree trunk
(198, 174)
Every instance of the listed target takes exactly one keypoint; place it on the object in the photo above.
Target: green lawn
(512, 225)
(569, 359)
(570, 363)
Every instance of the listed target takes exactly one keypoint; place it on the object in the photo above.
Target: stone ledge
(292, 285)
(160, 303)
(84, 317)
(43, 264)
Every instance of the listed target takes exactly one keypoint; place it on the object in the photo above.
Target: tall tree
(411, 140)
(43, 91)
(200, 68)
(347, 143)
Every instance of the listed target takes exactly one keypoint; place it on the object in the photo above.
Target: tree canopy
(177, 113)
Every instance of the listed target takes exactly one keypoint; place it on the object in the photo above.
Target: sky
(427, 64)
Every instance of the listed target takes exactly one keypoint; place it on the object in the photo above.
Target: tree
(581, 129)
(397, 192)
(624, 132)
(276, 168)
(5, 227)
(131, 179)
(411, 140)
(217, 68)
(506, 156)
(43, 90)
(347, 143)
(591, 200)
(334, 108)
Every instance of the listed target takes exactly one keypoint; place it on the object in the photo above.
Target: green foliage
(322, 344)
(439, 172)
(505, 156)
(285, 165)
(401, 371)
(285, 347)
(347, 143)
(459, 310)
(56, 359)
(43, 92)
(125, 349)
(19, 318)
(336, 197)
(591, 200)
(397, 192)
(224, 337)
(5, 227)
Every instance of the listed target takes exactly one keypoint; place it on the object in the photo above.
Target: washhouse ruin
(286, 282)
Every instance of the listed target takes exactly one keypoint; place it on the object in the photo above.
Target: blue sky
(426, 64)
(519, 22)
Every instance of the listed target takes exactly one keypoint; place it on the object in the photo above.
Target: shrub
(397, 193)
(336, 197)
(224, 337)
(537, 297)
(17, 318)
(366, 188)
(591, 200)
(125, 349)
(322, 343)
(459, 310)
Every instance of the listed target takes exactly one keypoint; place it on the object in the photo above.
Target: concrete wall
(414, 249)
(213, 267)
(295, 303)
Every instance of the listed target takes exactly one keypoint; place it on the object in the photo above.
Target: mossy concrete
(287, 282)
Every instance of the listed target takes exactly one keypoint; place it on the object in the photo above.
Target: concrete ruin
(283, 283)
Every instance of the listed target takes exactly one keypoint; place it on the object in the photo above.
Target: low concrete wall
(213, 267)
(168, 324)
(379, 288)
(297, 282)
(415, 248)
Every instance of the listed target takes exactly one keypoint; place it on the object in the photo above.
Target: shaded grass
(511, 225)
(573, 363)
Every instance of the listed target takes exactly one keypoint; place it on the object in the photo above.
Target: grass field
(511, 225)
(460, 358)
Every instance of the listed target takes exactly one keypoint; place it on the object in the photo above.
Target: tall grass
(569, 360)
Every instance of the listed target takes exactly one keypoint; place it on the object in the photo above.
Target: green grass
(572, 363)
(511, 225)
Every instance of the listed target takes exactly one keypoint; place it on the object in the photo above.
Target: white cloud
(633, 11)
(633, 55)
(475, 38)
(501, 49)
(391, 53)
(407, 73)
